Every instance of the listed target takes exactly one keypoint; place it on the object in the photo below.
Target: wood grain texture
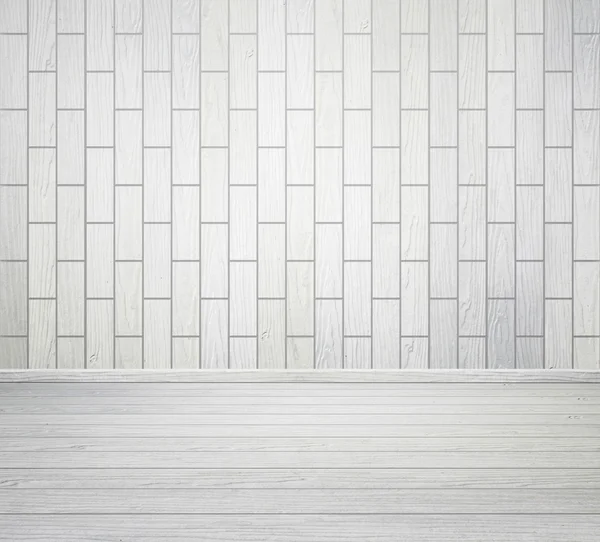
(70, 82)
(70, 294)
(329, 340)
(157, 333)
(13, 151)
(186, 223)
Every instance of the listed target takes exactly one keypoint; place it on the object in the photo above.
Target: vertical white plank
(186, 140)
(357, 223)
(586, 280)
(386, 260)
(414, 16)
(357, 353)
(243, 299)
(472, 148)
(530, 72)
(14, 352)
(157, 334)
(214, 347)
(501, 109)
(357, 16)
(186, 16)
(214, 261)
(558, 334)
(186, 72)
(242, 223)
(99, 33)
(501, 334)
(386, 334)
(414, 77)
(443, 185)
(186, 298)
(386, 109)
(128, 147)
(271, 334)
(559, 101)
(214, 110)
(186, 223)
(242, 72)
(42, 260)
(501, 35)
(471, 298)
(443, 114)
(586, 139)
(13, 223)
(157, 260)
(100, 109)
(70, 72)
(242, 16)
(100, 185)
(300, 147)
(530, 298)
(271, 260)
(586, 16)
(329, 260)
(42, 334)
(300, 353)
(386, 35)
(529, 147)
(530, 353)
(128, 223)
(70, 353)
(271, 185)
(129, 304)
(586, 352)
(530, 16)
(99, 260)
(414, 147)
(472, 237)
(157, 185)
(586, 82)
(443, 267)
(13, 298)
(300, 298)
(271, 109)
(300, 223)
(157, 34)
(586, 223)
(128, 71)
(386, 185)
(70, 309)
(42, 109)
(357, 298)
(530, 223)
(13, 16)
(242, 147)
(414, 300)
(472, 76)
(471, 353)
(501, 260)
(300, 16)
(443, 34)
(157, 109)
(214, 33)
(214, 200)
(42, 35)
(443, 339)
(558, 28)
(243, 353)
(414, 223)
(13, 147)
(558, 258)
(186, 353)
(501, 185)
(271, 35)
(328, 185)
(128, 16)
(300, 71)
(329, 334)
(13, 85)
(414, 353)
(472, 16)
(329, 109)
(357, 147)
(99, 338)
(128, 353)
(42, 185)
(558, 184)
(71, 150)
(328, 34)
(357, 72)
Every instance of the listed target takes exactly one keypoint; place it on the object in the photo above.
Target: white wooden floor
(309, 462)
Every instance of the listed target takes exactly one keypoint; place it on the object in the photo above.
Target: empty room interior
(300, 270)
